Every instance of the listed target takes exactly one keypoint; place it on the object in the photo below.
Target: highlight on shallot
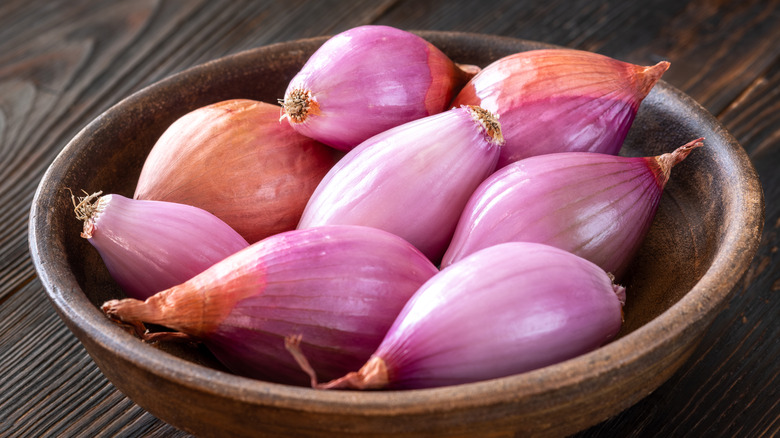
(366, 80)
(234, 159)
(507, 309)
(341, 287)
(597, 206)
(149, 246)
(412, 180)
(561, 100)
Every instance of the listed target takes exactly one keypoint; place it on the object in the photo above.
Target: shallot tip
(682, 152)
(135, 327)
(469, 70)
(293, 344)
(132, 311)
(650, 76)
(668, 160)
(117, 311)
(113, 309)
(153, 337)
(372, 375)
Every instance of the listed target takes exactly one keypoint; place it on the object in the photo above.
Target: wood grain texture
(64, 62)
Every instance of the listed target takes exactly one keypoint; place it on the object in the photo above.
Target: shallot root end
(85, 209)
(298, 105)
(489, 123)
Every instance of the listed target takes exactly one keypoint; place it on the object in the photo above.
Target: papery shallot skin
(597, 206)
(339, 287)
(561, 100)
(412, 180)
(149, 246)
(507, 309)
(366, 80)
(234, 159)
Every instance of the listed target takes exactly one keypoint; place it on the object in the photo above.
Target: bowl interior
(698, 222)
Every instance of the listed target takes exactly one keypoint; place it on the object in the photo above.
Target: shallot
(507, 309)
(369, 79)
(149, 246)
(412, 180)
(234, 159)
(561, 100)
(341, 287)
(597, 206)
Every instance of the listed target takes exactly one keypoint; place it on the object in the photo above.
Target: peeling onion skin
(340, 287)
(366, 80)
(234, 159)
(561, 100)
(149, 246)
(597, 206)
(412, 180)
(508, 309)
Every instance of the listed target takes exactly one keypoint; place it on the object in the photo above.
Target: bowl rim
(700, 304)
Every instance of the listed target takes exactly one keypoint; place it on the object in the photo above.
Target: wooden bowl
(704, 237)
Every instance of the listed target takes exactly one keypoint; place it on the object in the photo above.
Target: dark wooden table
(64, 62)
